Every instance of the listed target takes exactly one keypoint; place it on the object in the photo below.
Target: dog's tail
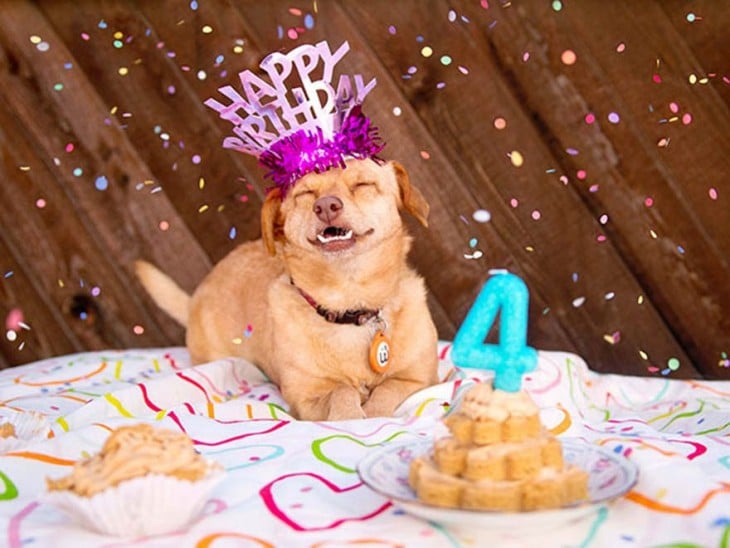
(169, 296)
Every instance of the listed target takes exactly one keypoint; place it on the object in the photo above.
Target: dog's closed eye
(361, 185)
(303, 193)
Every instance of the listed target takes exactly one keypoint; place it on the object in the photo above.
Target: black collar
(355, 317)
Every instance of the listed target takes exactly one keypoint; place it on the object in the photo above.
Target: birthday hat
(309, 128)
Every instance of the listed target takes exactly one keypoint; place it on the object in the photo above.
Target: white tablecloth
(294, 483)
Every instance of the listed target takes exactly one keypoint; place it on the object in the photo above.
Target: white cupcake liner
(151, 505)
(29, 427)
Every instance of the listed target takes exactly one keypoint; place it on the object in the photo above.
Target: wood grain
(620, 226)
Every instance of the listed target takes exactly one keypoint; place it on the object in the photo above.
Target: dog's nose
(327, 208)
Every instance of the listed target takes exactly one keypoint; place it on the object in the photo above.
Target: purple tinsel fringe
(304, 152)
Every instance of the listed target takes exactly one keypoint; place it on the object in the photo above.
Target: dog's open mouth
(334, 234)
(335, 238)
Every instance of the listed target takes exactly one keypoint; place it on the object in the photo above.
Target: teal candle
(506, 294)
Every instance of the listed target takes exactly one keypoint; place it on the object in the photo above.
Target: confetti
(578, 302)
(101, 183)
(14, 319)
(427, 51)
(516, 158)
(500, 123)
(614, 118)
(568, 57)
(482, 216)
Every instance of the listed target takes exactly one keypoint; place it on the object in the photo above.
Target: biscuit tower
(498, 457)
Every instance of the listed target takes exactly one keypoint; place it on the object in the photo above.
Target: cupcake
(144, 481)
(21, 429)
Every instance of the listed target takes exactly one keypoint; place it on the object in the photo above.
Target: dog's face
(342, 211)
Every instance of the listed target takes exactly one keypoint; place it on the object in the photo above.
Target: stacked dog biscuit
(497, 457)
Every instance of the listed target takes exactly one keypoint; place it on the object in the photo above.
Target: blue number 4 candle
(511, 358)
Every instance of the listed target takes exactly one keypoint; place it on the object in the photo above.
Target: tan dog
(333, 250)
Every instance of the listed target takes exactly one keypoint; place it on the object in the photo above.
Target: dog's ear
(272, 225)
(413, 201)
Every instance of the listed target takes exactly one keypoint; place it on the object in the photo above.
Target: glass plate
(611, 475)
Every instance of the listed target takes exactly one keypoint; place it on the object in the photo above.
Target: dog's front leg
(341, 402)
(387, 396)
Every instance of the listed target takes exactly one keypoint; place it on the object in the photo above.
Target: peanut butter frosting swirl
(131, 452)
(482, 402)
(7, 430)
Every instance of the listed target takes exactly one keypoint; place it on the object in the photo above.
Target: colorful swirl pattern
(295, 483)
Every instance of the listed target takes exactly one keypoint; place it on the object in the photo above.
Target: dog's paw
(340, 413)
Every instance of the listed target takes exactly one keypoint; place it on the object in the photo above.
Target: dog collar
(379, 353)
(354, 317)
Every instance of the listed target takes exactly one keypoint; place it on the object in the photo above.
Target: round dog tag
(380, 353)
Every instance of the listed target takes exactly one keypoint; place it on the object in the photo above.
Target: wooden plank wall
(617, 216)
